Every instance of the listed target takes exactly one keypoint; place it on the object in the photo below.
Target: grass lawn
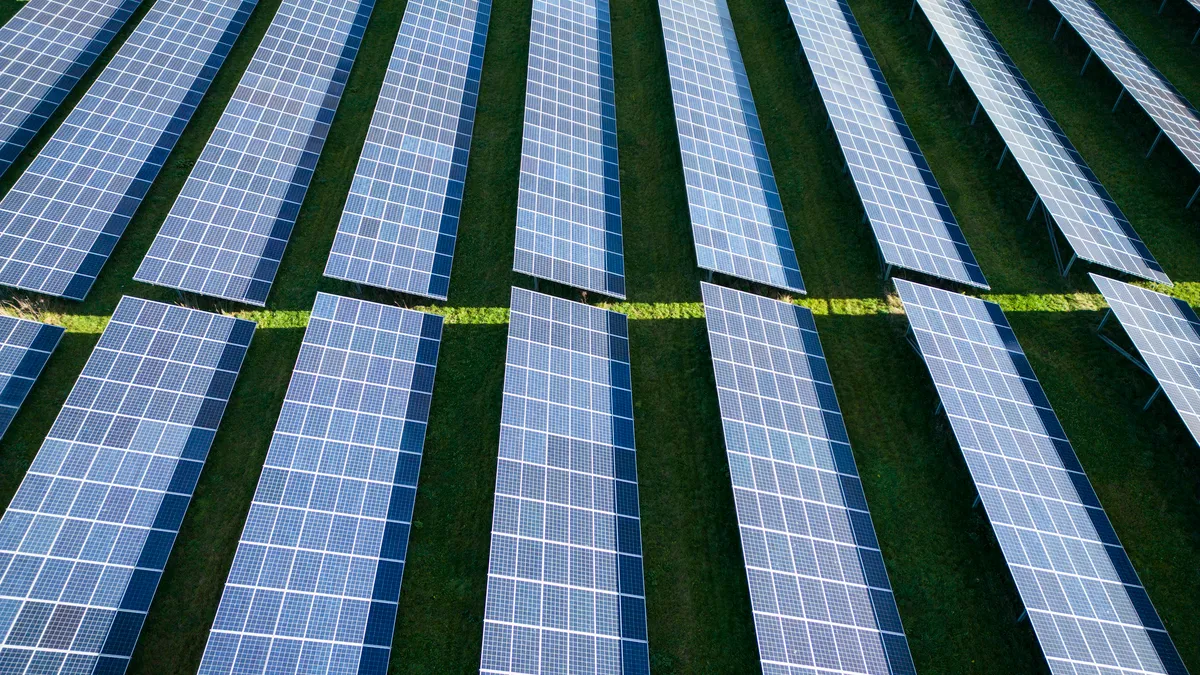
(955, 596)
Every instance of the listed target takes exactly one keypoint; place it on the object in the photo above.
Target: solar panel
(1090, 220)
(909, 215)
(25, 346)
(316, 577)
(84, 541)
(1166, 333)
(400, 222)
(64, 215)
(737, 218)
(1089, 611)
(226, 232)
(818, 586)
(44, 50)
(569, 199)
(565, 589)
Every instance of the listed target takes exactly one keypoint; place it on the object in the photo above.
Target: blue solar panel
(84, 541)
(401, 219)
(909, 215)
(225, 234)
(25, 346)
(569, 200)
(818, 586)
(737, 218)
(1089, 611)
(44, 50)
(565, 588)
(316, 578)
(1082, 209)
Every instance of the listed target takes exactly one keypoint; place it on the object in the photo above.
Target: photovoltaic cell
(909, 215)
(1089, 611)
(1166, 333)
(737, 218)
(61, 220)
(44, 50)
(225, 234)
(84, 541)
(565, 589)
(569, 199)
(820, 593)
(316, 577)
(25, 346)
(1094, 226)
(401, 219)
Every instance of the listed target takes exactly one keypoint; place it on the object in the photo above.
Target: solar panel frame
(65, 214)
(85, 539)
(565, 584)
(226, 232)
(569, 193)
(1094, 226)
(315, 582)
(738, 225)
(1088, 609)
(400, 222)
(45, 48)
(25, 346)
(912, 222)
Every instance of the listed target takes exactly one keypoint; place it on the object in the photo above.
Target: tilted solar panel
(818, 586)
(316, 577)
(1089, 611)
(565, 588)
(909, 215)
(737, 218)
(400, 222)
(569, 199)
(44, 50)
(1094, 226)
(1166, 332)
(225, 234)
(61, 220)
(25, 346)
(84, 541)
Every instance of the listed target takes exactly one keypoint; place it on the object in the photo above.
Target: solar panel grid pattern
(1166, 333)
(85, 539)
(1089, 611)
(400, 222)
(227, 230)
(316, 578)
(569, 196)
(737, 218)
(25, 346)
(64, 215)
(44, 50)
(565, 586)
(1094, 226)
(820, 593)
(909, 215)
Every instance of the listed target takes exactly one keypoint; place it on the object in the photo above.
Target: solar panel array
(25, 346)
(44, 50)
(1094, 226)
(1089, 611)
(1166, 332)
(84, 541)
(909, 215)
(737, 218)
(316, 578)
(61, 220)
(401, 219)
(569, 199)
(226, 232)
(818, 585)
(565, 588)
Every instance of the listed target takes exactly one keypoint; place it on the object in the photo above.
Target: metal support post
(912, 10)
(975, 504)
(1036, 200)
(1104, 320)
(1162, 6)
(1029, 6)
(1058, 28)
(1157, 391)
(929, 47)
(975, 114)
(953, 72)
(1085, 63)
(1193, 199)
(1119, 97)
(708, 275)
(1194, 36)
(1121, 350)
(1024, 615)
(1003, 154)
(1154, 144)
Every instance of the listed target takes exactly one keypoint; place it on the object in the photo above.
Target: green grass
(954, 593)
